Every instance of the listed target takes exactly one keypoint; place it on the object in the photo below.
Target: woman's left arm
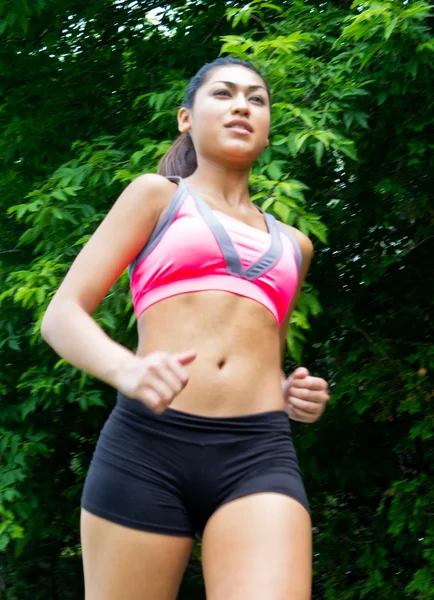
(306, 397)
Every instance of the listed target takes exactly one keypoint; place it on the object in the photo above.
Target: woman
(199, 439)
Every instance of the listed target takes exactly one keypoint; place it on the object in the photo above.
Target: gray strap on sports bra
(163, 225)
(233, 261)
(298, 254)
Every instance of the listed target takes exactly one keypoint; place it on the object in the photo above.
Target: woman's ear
(184, 124)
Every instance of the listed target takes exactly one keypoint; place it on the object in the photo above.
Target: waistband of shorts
(263, 422)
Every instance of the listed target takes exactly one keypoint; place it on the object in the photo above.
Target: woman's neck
(226, 185)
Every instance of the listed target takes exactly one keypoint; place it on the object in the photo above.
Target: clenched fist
(306, 397)
(155, 379)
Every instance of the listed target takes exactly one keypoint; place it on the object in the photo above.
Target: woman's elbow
(46, 324)
(53, 317)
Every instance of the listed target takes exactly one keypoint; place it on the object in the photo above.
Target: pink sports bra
(195, 248)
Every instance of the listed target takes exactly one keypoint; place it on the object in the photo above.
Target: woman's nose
(240, 105)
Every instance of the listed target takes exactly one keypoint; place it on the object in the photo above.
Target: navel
(221, 363)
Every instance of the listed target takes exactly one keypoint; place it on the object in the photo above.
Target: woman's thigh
(258, 547)
(123, 563)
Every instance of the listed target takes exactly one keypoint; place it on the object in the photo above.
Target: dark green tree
(87, 104)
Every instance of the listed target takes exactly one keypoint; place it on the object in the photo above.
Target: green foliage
(87, 105)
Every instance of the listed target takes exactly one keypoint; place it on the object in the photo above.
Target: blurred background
(88, 96)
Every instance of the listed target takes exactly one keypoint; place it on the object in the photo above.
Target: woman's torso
(237, 369)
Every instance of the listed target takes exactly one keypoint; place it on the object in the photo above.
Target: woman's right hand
(155, 379)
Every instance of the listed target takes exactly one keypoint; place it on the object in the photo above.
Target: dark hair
(181, 159)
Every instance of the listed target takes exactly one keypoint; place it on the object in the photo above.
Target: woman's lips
(239, 130)
(240, 126)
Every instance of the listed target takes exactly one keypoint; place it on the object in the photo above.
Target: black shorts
(168, 473)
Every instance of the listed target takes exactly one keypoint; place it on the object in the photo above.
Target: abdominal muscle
(237, 367)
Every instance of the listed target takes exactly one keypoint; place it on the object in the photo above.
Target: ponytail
(180, 159)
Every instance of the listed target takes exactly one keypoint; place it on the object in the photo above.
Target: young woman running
(199, 440)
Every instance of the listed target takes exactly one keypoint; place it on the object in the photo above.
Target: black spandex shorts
(168, 473)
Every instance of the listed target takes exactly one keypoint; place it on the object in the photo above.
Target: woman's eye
(258, 99)
(221, 93)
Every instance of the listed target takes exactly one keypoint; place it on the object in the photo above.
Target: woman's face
(230, 118)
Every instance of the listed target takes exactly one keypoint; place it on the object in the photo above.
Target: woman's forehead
(236, 74)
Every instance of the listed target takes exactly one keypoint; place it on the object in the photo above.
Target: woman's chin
(238, 155)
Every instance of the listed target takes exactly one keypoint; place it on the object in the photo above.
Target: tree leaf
(319, 152)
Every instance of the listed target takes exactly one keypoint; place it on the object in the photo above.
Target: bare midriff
(237, 367)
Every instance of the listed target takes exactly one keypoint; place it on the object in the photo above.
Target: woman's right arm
(68, 326)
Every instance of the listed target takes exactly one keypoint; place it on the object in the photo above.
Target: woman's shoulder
(306, 245)
(150, 183)
(151, 192)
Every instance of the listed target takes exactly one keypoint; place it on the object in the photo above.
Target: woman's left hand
(306, 397)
